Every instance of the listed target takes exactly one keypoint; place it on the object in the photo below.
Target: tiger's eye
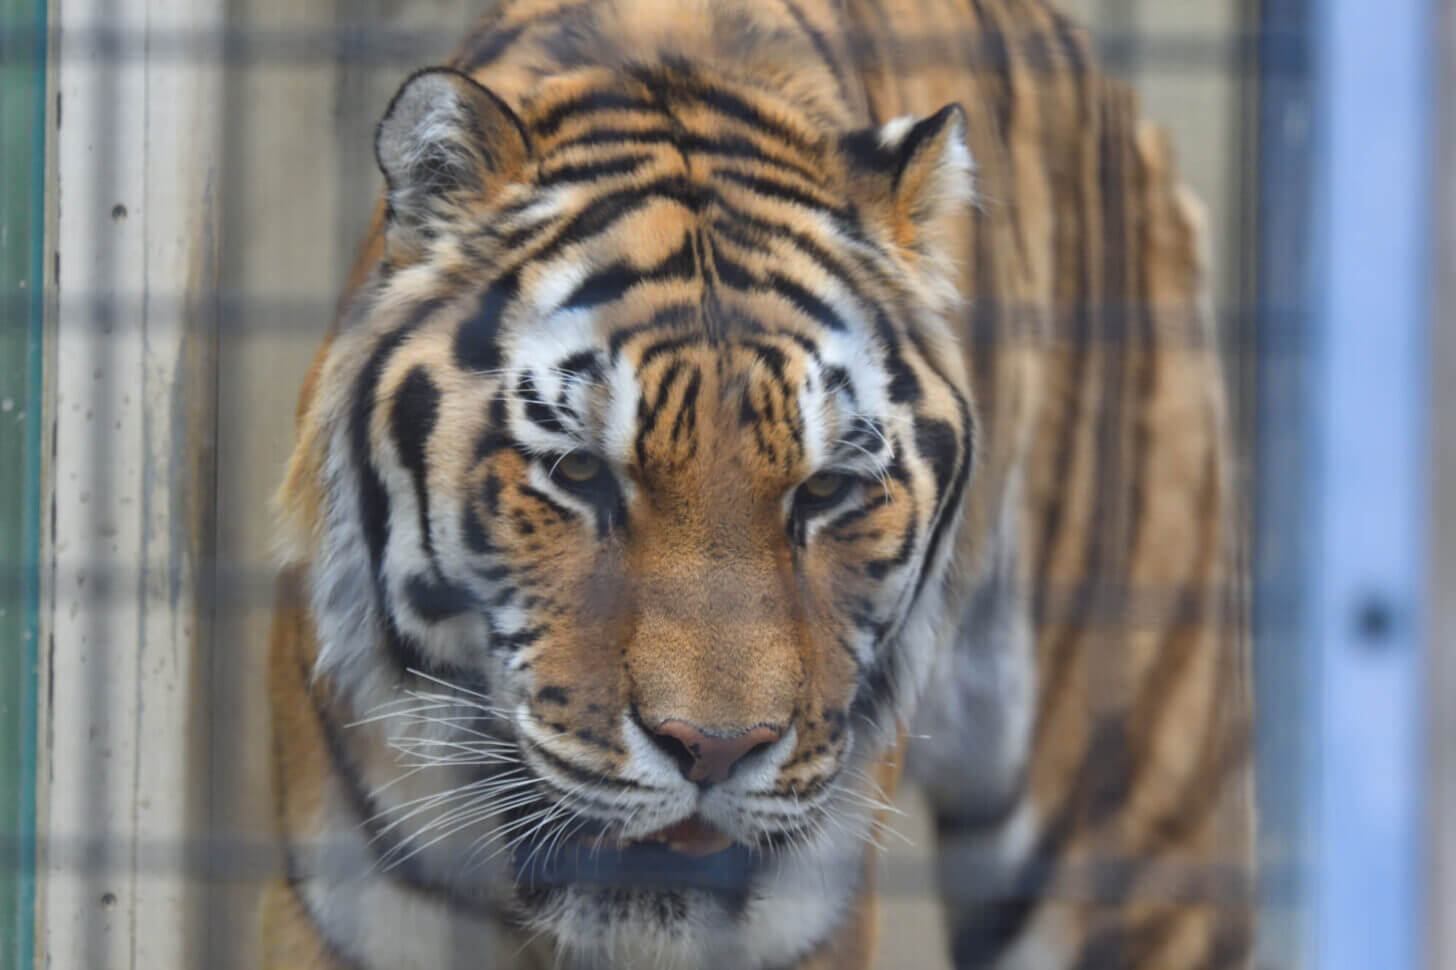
(823, 485)
(579, 466)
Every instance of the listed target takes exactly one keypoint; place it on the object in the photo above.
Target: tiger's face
(636, 468)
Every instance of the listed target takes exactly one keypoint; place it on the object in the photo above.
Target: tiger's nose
(710, 758)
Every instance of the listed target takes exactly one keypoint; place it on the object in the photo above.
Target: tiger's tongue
(693, 837)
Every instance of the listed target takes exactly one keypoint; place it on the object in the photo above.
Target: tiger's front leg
(970, 757)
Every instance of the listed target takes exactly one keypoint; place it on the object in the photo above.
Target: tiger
(734, 407)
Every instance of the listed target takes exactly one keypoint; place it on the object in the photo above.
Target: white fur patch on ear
(893, 132)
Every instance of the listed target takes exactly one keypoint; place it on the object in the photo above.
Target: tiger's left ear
(445, 146)
(914, 178)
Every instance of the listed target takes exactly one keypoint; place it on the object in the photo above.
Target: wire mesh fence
(291, 187)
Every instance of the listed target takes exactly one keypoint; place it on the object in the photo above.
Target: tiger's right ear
(445, 145)
(912, 178)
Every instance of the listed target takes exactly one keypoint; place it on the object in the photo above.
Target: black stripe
(733, 274)
(492, 441)
(373, 499)
(875, 689)
(475, 538)
(743, 237)
(602, 213)
(538, 412)
(607, 137)
(585, 775)
(476, 349)
(877, 568)
(494, 574)
(612, 283)
(732, 106)
(736, 276)
(837, 379)
(407, 655)
(592, 171)
(562, 512)
(938, 444)
(553, 695)
(411, 422)
(666, 347)
(807, 303)
(647, 414)
(904, 385)
(774, 189)
(857, 513)
(673, 315)
(435, 598)
(583, 363)
(770, 356)
(950, 499)
(486, 48)
(869, 434)
(513, 642)
(687, 409)
(821, 47)
(775, 230)
(591, 102)
(864, 151)
(806, 344)
(739, 147)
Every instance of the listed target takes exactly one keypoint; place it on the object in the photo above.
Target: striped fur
(644, 275)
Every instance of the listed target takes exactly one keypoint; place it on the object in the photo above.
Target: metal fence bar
(1441, 686)
(103, 39)
(22, 216)
(1280, 453)
(1374, 118)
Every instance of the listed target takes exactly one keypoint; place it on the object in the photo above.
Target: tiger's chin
(679, 897)
(606, 928)
(649, 902)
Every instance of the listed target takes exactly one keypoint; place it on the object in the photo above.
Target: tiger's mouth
(693, 836)
(689, 854)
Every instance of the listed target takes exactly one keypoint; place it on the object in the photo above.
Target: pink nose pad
(706, 758)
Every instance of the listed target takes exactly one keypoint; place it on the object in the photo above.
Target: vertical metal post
(1281, 454)
(22, 217)
(1366, 486)
(1441, 689)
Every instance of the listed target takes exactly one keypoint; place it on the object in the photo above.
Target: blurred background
(185, 182)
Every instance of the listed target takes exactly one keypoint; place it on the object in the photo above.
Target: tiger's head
(626, 486)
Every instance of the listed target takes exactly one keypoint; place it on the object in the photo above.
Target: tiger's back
(1080, 711)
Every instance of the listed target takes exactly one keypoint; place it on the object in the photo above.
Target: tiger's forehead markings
(668, 215)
